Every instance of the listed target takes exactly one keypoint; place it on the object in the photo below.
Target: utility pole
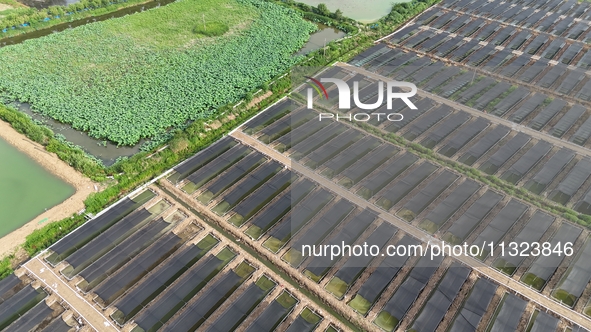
(325, 48)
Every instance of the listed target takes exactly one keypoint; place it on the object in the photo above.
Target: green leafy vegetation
(135, 77)
(12, 3)
(42, 238)
(212, 29)
(6, 266)
(401, 12)
(10, 7)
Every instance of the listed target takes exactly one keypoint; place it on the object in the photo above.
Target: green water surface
(26, 189)
(363, 11)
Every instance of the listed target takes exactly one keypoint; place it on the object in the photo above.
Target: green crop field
(137, 76)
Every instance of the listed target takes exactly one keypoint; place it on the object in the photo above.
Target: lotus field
(137, 76)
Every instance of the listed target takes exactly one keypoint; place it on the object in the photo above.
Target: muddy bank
(56, 166)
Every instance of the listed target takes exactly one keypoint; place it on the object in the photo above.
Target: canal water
(105, 151)
(69, 25)
(26, 189)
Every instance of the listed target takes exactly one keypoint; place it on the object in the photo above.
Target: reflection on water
(320, 38)
(107, 153)
(363, 11)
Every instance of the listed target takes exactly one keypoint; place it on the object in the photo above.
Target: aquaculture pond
(358, 10)
(320, 38)
(26, 189)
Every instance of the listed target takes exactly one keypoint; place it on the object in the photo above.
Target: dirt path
(489, 272)
(92, 316)
(56, 166)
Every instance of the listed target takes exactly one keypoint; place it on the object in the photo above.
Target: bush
(211, 29)
(66, 151)
(5, 267)
(179, 142)
(43, 238)
(22, 123)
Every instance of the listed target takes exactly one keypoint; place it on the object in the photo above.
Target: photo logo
(317, 86)
(345, 93)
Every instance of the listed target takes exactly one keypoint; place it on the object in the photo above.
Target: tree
(338, 14)
(304, 7)
(323, 10)
(37, 17)
(54, 10)
(179, 142)
(71, 8)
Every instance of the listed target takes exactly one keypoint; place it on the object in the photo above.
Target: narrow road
(51, 280)
(477, 265)
(494, 119)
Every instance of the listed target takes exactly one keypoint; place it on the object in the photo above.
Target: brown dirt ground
(56, 166)
(258, 99)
